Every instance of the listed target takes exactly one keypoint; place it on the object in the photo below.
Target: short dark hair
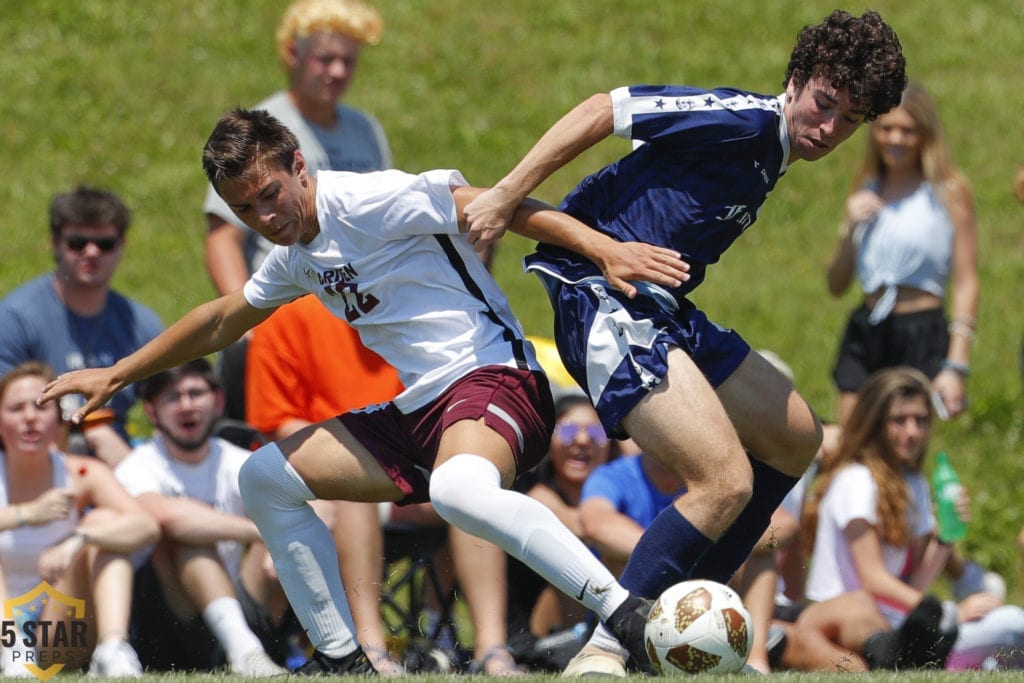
(241, 139)
(861, 54)
(566, 403)
(88, 206)
(154, 385)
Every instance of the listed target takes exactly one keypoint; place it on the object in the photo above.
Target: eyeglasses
(169, 398)
(566, 433)
(79, 242)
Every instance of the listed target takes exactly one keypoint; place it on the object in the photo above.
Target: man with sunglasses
(72, 319)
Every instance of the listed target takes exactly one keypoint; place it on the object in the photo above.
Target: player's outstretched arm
(583, 126)
(205, 329)
(619, 261)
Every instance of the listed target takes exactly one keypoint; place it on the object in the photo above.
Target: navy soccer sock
(726, 555)
(665, 554)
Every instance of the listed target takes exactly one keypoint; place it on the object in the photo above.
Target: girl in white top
(64, 519)
(869, 521)
(908, 235)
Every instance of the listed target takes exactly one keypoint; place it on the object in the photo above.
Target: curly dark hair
(861, 54)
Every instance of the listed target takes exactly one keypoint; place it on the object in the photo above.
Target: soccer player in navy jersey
(688, 391)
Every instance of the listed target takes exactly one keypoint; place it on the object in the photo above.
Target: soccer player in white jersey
(385, 252)
(688, 391)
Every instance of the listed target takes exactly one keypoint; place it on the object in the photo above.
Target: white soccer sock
(302, 547)
(603, 639)
(225, 618)
(466, 492)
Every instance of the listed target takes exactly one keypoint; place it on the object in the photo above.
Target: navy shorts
(616, 348)
(515, 403)
(919, 340)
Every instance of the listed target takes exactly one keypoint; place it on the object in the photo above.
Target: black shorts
(165, 642)
(919, 340)
(162, 640)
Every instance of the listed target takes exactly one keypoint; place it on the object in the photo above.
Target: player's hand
(625, 261)
(97, 385)
(49, 507)
(862, 206)
(488, 216)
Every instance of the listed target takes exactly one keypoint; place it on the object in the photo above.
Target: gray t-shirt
(356, 144)
(36, 325)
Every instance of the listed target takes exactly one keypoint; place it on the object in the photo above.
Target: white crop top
(20, 548)
(909, 243)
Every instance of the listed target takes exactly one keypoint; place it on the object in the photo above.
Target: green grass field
(123, 94)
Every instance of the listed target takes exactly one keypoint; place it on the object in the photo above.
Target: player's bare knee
(735, 496)
(730, 487)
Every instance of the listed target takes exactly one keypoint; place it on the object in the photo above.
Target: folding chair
(412, 583)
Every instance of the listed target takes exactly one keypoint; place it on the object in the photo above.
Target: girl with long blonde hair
(908, 235)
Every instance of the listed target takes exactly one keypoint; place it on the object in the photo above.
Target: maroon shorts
(514, 403)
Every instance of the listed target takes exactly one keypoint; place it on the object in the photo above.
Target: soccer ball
(696, 627)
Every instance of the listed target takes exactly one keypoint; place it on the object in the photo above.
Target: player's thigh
(476, 438)
(683, 425)
(336, 466)
(773, 421)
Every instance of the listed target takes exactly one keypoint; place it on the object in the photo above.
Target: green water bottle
(946, 485)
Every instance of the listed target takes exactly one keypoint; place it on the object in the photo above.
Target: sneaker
(627, 623)
(115, 659)
(258, 664)
(593, 661)
(353, 664)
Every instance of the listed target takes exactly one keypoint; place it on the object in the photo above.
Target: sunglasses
(78, 243)
(566, 433)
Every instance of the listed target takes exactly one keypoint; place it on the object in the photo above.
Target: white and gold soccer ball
(696, 627)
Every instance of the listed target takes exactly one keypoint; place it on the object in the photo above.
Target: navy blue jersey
(708, 160)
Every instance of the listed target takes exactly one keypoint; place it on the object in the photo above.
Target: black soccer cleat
(353, 664)
(627, 623)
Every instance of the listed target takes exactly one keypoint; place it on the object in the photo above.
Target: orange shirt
(304, 363)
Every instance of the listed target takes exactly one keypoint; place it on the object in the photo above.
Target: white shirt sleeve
(853, 495)
(136, 473)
